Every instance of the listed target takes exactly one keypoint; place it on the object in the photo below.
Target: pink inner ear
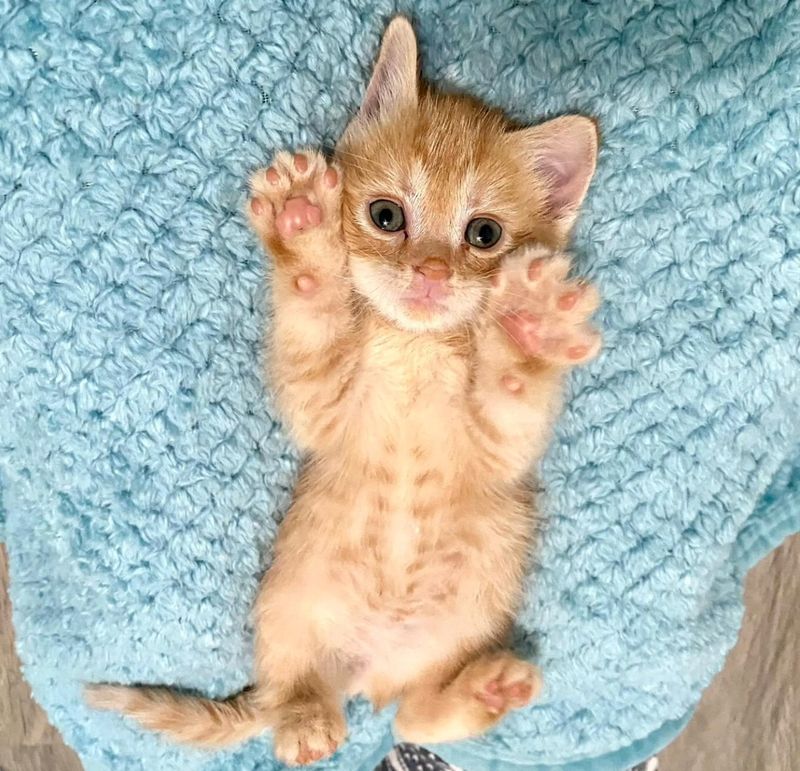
(384, 88)
(567, 166)
(562, 153)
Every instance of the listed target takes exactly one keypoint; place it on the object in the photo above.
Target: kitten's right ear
(395, 79)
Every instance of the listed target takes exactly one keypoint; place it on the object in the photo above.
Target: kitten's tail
(182, 718)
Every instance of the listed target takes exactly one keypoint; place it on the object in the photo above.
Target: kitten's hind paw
(308, 732)
(544, 313)
(501, 682)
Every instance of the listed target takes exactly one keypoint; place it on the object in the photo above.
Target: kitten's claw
(298, 194)
(542, 312)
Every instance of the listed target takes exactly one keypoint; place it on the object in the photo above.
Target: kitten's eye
(387, 215)
(483, 232)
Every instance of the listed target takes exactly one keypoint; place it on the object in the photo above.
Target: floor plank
(748, 718)
(28, 742)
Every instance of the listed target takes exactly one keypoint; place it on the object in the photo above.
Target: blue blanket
(144, 470)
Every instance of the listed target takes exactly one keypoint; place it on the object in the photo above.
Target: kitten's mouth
(424, 305)
(426, 295)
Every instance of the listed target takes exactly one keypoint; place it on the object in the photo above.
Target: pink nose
(434, 270)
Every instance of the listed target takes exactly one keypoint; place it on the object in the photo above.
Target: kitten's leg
(443, 707)
(296, 210)
(309, 722)
(535, 330)
(293, 685)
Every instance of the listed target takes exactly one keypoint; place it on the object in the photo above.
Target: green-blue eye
(483, 233)
(387, 215)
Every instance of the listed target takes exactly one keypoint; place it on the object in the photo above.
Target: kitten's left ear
(562, 154)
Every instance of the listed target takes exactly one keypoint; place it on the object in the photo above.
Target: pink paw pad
(331, 178)
(535, 269)
(511, 383)
(520, 692)
(491, 696)
(498, 697)
(257, 206)
(523, 328)
(298, 214)
(568, 300)
(306, 755)
(305, 284)
(272, 176)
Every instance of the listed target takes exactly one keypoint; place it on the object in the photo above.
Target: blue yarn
(143, 467)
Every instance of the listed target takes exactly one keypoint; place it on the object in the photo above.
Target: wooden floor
(749, 717)
(27, 741)
(747, 721)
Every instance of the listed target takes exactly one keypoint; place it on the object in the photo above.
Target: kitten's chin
(424, 315)
(418, 316)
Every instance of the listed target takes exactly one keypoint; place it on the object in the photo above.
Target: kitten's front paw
(542, 312)
(298, 194)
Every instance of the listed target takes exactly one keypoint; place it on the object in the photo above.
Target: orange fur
(399, 567)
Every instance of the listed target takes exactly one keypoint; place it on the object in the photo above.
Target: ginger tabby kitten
(423, 325)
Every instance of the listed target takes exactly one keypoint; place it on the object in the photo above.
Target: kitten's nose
(434, 270)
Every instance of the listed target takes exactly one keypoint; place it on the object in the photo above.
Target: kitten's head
(438, 188)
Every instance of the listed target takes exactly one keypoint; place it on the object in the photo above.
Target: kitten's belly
(386, 652)
(412, 591)
(389, 657)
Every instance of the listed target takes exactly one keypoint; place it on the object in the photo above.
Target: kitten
(423, 322)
